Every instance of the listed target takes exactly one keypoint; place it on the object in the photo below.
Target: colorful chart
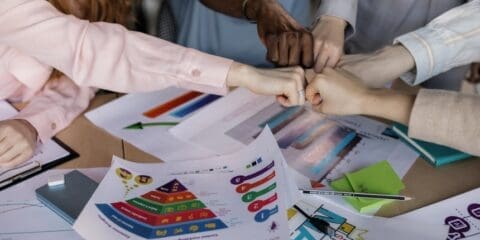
(170, 210)
(343, 228)
(264, 193)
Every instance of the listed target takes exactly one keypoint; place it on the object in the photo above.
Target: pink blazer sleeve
(107, 55)
(53, 108)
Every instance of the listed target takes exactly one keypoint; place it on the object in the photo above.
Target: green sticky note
(378, 178)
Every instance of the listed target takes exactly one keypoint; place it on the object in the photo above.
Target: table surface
(424, 182)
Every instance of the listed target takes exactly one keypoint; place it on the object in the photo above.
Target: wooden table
(424, 182)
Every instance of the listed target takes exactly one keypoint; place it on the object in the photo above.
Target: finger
(283, 101)
(317, 99)
(333, 59)
(283, 50)
(20, 158)
(4, 147)
(293, 49)
(321, 61)
(307, 49)
(9, 155)
(310, 92)
(272, 48)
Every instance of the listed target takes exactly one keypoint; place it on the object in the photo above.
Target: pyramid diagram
(170, 210)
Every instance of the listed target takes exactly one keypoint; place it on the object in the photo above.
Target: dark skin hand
(287, 42)
(474, 75)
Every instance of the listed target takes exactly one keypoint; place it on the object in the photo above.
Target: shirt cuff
(45, 124)
(208, 73)
(419, 44)
(344, 9)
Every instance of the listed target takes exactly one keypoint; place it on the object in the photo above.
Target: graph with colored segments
(312, 143)
(170, 210)
(178, 108)
(344, 229)
(258, 190)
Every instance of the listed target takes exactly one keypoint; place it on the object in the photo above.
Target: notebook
(68, 200)
(437, 155)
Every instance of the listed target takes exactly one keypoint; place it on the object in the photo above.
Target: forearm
(234, 8)
(448, 41)
(389, 104)
(105, 55)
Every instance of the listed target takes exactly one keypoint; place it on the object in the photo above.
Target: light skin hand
(338, 92)
(284, 83)
(379, 68)
(329, 38)
(18, 140)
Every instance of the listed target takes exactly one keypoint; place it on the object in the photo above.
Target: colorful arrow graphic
(140, 125)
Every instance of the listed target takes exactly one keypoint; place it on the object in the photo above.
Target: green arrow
(140, 125)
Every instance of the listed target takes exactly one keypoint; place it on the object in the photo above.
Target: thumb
(310, 92)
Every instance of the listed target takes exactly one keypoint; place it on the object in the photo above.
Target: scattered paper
(144, 119)
(319, 148)
(237, 196)
(23, 217)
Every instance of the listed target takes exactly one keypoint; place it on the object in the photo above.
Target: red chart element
(259, 204)
(162, 197)
(247, 186)
(171, 210)
(165, 107)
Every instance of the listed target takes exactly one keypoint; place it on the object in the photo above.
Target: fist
(335, 92)
(17, 142)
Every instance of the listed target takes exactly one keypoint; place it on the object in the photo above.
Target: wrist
(235, 77)
(331, 20)
(403, 58)
(252, 8)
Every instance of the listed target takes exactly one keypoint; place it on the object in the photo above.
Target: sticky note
(378, 178)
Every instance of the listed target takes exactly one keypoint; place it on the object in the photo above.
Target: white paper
(454, 218)
(23, 217)
(119, 209)
(318, 147)
(156, 140)
(47, 152)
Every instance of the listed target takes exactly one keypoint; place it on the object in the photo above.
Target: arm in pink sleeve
(107, 55)
(56, 106)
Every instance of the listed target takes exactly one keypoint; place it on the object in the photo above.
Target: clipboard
(37, 168)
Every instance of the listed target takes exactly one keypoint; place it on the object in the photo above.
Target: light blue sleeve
(450, 40)
(344, 9)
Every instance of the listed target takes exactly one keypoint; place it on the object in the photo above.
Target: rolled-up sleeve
(344, 9)
(448, 41)
(105, 55)
(447, 118)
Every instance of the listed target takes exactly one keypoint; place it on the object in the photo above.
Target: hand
(379, 68)
(17, 142)
(288, 43)
(329, 37)
(286, 83)
(336, 92)
(474, 75)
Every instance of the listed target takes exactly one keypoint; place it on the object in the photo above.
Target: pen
(322, 225)
(357, 194)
